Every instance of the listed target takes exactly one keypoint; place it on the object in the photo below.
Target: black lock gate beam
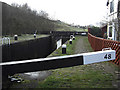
(56, 62)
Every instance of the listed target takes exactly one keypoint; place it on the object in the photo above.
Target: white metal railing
(5, 40)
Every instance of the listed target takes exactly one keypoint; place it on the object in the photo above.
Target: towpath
(83, 46)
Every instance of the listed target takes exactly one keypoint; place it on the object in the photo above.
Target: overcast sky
(79, 12)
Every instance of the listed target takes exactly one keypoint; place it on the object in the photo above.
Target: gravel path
(80, 46)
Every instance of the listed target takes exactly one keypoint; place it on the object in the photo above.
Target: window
(110, 31)
(112, 6)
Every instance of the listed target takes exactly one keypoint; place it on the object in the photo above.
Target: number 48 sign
(107, 56)
(101, 56)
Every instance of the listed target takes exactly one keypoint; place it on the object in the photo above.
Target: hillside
(61, 26)
(19, 19)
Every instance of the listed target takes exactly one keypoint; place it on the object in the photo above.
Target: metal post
(118, 16)
(9, 41)
(5, 41)
(2, 40)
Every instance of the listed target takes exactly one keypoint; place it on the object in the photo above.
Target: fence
(98, 44)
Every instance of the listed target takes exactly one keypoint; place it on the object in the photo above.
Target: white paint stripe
(64, 46)
(88, 58)
(95, 57)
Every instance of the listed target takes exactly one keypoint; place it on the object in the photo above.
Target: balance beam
(56, 62)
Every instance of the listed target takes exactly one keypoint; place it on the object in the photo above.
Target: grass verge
(69, 49)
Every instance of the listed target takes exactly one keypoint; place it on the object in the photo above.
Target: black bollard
(70, 41)
(64, 49)
(73, 38)
(16, 37)
(34, 35)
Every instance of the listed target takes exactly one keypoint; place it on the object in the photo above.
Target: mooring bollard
(73, 38)
(15, 37)
(70, 41)
(64, 49)
(34, 35)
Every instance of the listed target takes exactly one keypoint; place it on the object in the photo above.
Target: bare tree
(43, 14)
